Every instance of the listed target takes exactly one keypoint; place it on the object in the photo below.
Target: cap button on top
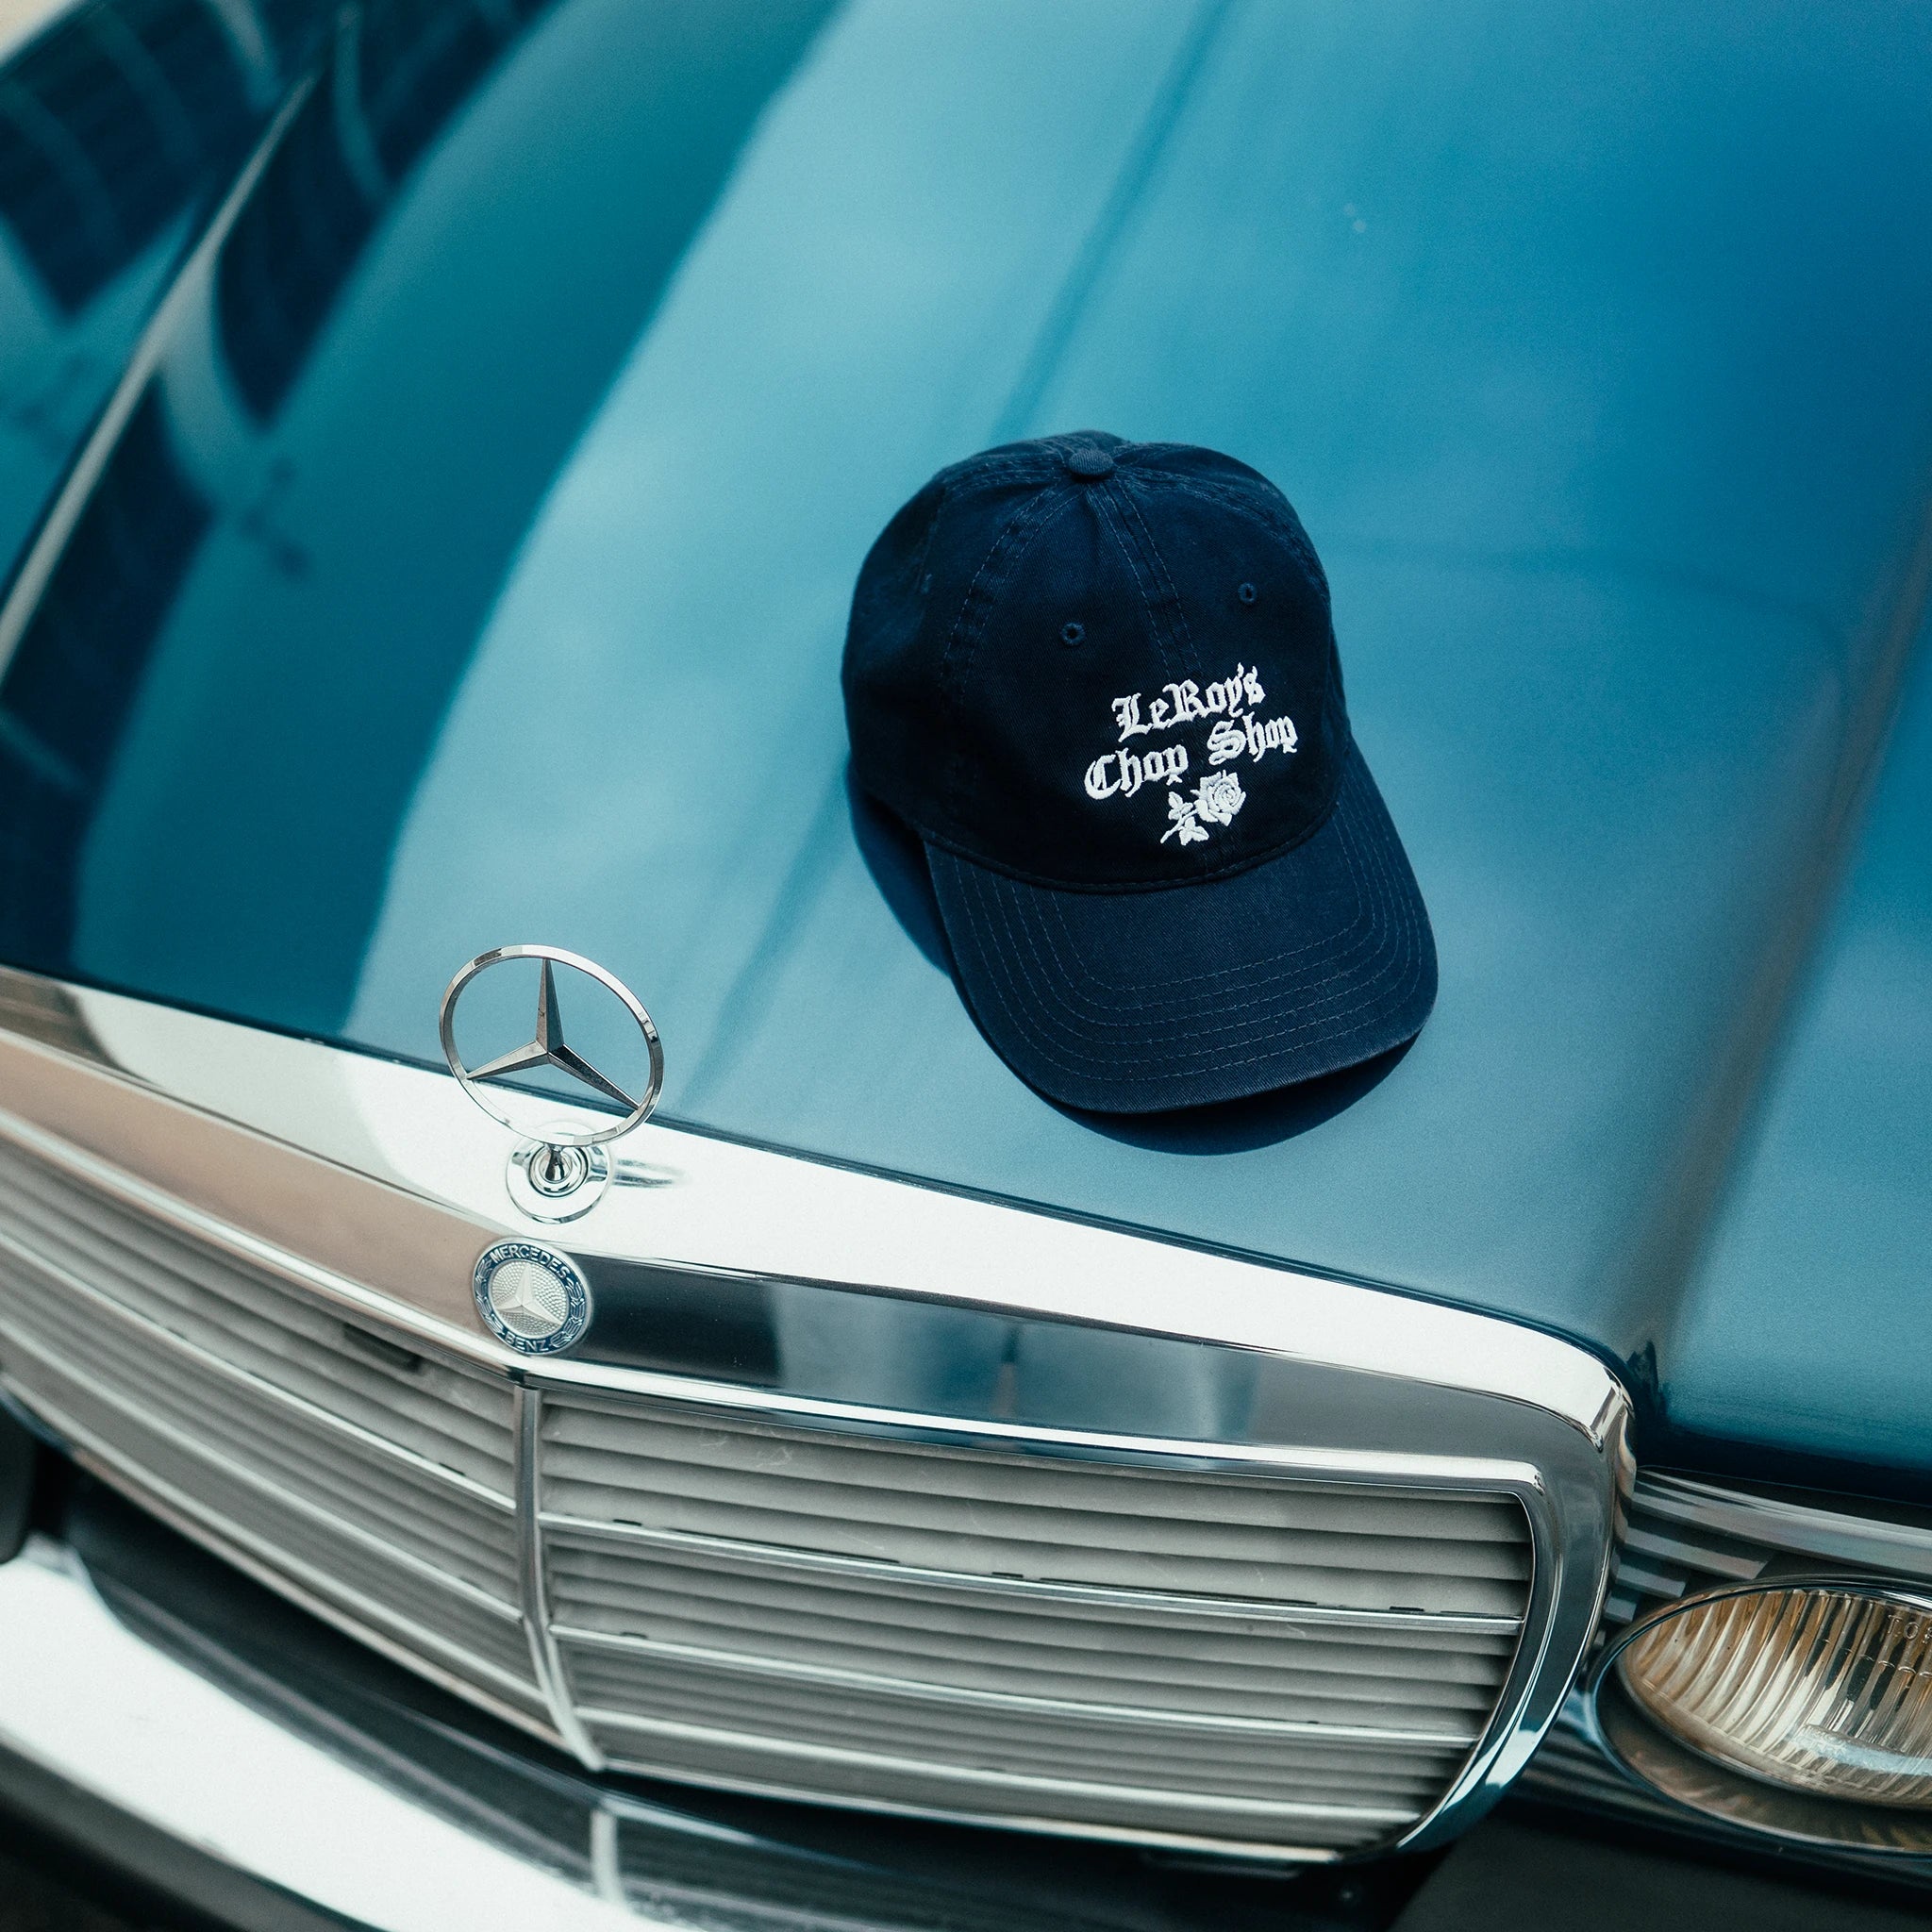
(1088, 463)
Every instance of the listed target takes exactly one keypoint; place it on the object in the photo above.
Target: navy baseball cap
(1099, 680)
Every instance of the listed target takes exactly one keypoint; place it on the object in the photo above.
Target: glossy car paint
(1808, 1321)
(473, 570)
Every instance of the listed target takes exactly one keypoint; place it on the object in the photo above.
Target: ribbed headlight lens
(1812, 1688)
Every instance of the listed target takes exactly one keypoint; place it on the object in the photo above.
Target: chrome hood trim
(156, 1092)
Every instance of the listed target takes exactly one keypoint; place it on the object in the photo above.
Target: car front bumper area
(244, 1765)
(227, 1752)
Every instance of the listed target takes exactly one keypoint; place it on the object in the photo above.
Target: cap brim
(1138, 1002)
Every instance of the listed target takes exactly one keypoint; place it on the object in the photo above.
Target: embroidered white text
(1227, 706)
(1126, 773)
(1185, 702)
(1230, 740)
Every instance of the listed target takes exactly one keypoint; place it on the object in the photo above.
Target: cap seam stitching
(1287, 527)
(1056, 1051)
(1105, 509)
(1364, 868)
(1020, 531)
(1122, 497)
(1281, 522)
(1063, 1053)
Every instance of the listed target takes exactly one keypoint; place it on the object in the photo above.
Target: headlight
(1816, 1687)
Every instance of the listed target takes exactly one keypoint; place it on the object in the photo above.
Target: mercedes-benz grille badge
(533, 1298)
(559, 1170)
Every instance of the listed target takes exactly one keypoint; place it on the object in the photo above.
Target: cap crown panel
(1110, 682)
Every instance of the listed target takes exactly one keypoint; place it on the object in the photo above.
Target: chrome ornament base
(556, 1182)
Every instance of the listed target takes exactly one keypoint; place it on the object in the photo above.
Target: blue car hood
(465, 559)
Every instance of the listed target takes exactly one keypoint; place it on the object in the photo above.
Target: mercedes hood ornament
(558, 1171)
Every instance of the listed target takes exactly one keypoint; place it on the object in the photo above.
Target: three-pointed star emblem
(547, 1049)
(522, 1294)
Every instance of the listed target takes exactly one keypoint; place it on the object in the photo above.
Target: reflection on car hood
(466, 560)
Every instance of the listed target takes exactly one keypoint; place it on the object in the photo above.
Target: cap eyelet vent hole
(1246, 592)
(1073, 634)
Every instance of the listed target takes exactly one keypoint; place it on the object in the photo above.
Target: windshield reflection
(217, 571)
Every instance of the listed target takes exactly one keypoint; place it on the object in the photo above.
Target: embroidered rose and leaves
(1217, 798)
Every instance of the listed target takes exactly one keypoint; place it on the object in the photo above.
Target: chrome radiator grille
(380, 1487)
(1190, 1654)
(1112, 1646)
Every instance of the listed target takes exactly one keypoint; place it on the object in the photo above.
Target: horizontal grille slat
(709, 1451)
(196, 1360)
(1026, 1702)
(459, 1420)
(1052, 1652)
(1222, 1766)
(918, 1784)
(1354, 1548)
(323, 1561)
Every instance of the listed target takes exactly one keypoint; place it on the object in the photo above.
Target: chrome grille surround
(1368, 1536)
